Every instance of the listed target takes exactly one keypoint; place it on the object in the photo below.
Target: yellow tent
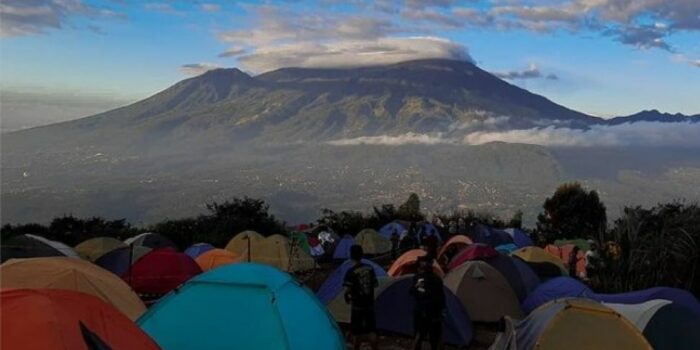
(278, 252)
(239, 244)
(372, 242)
(93, 248)
(572, 324)
(537, 255)
(71, 274)
(216, 257)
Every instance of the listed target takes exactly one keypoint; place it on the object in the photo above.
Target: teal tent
(242, 306)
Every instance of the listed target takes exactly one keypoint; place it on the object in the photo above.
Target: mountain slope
(653, 116)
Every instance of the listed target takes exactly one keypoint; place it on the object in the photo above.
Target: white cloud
(194, 69)
(387, 140)
(531, 72)
(350, 53)
(207, 7)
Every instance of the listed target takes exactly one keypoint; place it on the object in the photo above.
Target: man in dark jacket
(360, 282)
(429, 309)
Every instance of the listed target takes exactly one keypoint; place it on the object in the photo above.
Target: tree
(517, 220)
(410, 210)
(572, 212)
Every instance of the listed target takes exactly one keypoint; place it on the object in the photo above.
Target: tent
(93, 248)
(242, 306)
(491, 236)
(301, 240)
(394, 309)
(340, 310)
(387, 230)
(342, 249)
(198, 249)
(278, 252)
(216, 257)
(331, 291)
(372, 242)
(32, 246)
(240, 244)
(507, 248)
(528, 276)
(667, 326)
(506, 266)
(72, 274)
(484, 292)
(119, 260)
(555, 288)
(52, 319)
(428, 229)
(22, 246)
(159, 272)
(454, 245)
(520, 238)
(151, 240)
(571, 324)
(406, 264)
(676, 295)
(476, 251)
(544, 264)
(566, 250)
(580, 242)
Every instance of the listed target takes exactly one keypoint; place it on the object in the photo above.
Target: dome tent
(456, 243)
(60, 319)
(151, 240)
(246, 306)
(342, 249)
(476, 251)
(120, 260)
(666, 325)
(406, 264)
(571, 324)
(372, 242)
(544, 264)
(198, 249)
(333, 286)
(484, 292)
(387, 230)
(490, 236)
(159, 272)
(394, 308)
(555, 288)
(33, 246)
(216, 257)
(75, 275)
(93, 248)
(520, 238)
(240, 243)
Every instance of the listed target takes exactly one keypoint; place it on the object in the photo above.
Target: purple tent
(342, 249)
(505, 265)
(487, 235)
(675, 295)
(334, 283)
(429, 230)
(555, 288)
(520, 238)
(198, 249)
(388, 229)
(394, 309)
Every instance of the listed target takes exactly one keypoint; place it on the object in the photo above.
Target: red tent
(476, 251)
(64, 319)
(160, 271)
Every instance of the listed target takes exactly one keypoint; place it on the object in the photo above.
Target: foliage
(572, 212)
(657, 247)
(71, 230)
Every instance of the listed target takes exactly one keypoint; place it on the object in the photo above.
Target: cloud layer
(29, 17)
(630, 134)
(193, 69)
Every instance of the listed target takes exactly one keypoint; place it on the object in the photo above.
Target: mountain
(227, 106)
(226, 133)
(653, 116)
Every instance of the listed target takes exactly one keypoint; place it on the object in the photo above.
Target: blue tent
(520, 238)
(388, 229)
(334, 283)
(675, 295)
(530, 279)
(394, 308)
(506, 266)
(487, 235)
(242, 306)
(507, 248)
(429, 229)
(555, 288)
(342, 249)
(198, 249)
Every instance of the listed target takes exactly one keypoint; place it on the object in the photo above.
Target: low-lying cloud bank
(684, 134)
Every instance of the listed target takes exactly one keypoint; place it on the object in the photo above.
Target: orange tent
(554, 250)
(457, 242)
(52, 319)
(215, 258)
(406, 264)
(566, 250)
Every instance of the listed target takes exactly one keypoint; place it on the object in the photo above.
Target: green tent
(579, 242)
(299, 240)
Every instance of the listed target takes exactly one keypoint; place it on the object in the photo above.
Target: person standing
(594, 262)
(427, 291)
(394, 244)
(360, 282)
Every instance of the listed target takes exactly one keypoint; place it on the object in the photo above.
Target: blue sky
(604, 57)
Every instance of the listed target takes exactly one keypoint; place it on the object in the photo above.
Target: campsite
(503, 288)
